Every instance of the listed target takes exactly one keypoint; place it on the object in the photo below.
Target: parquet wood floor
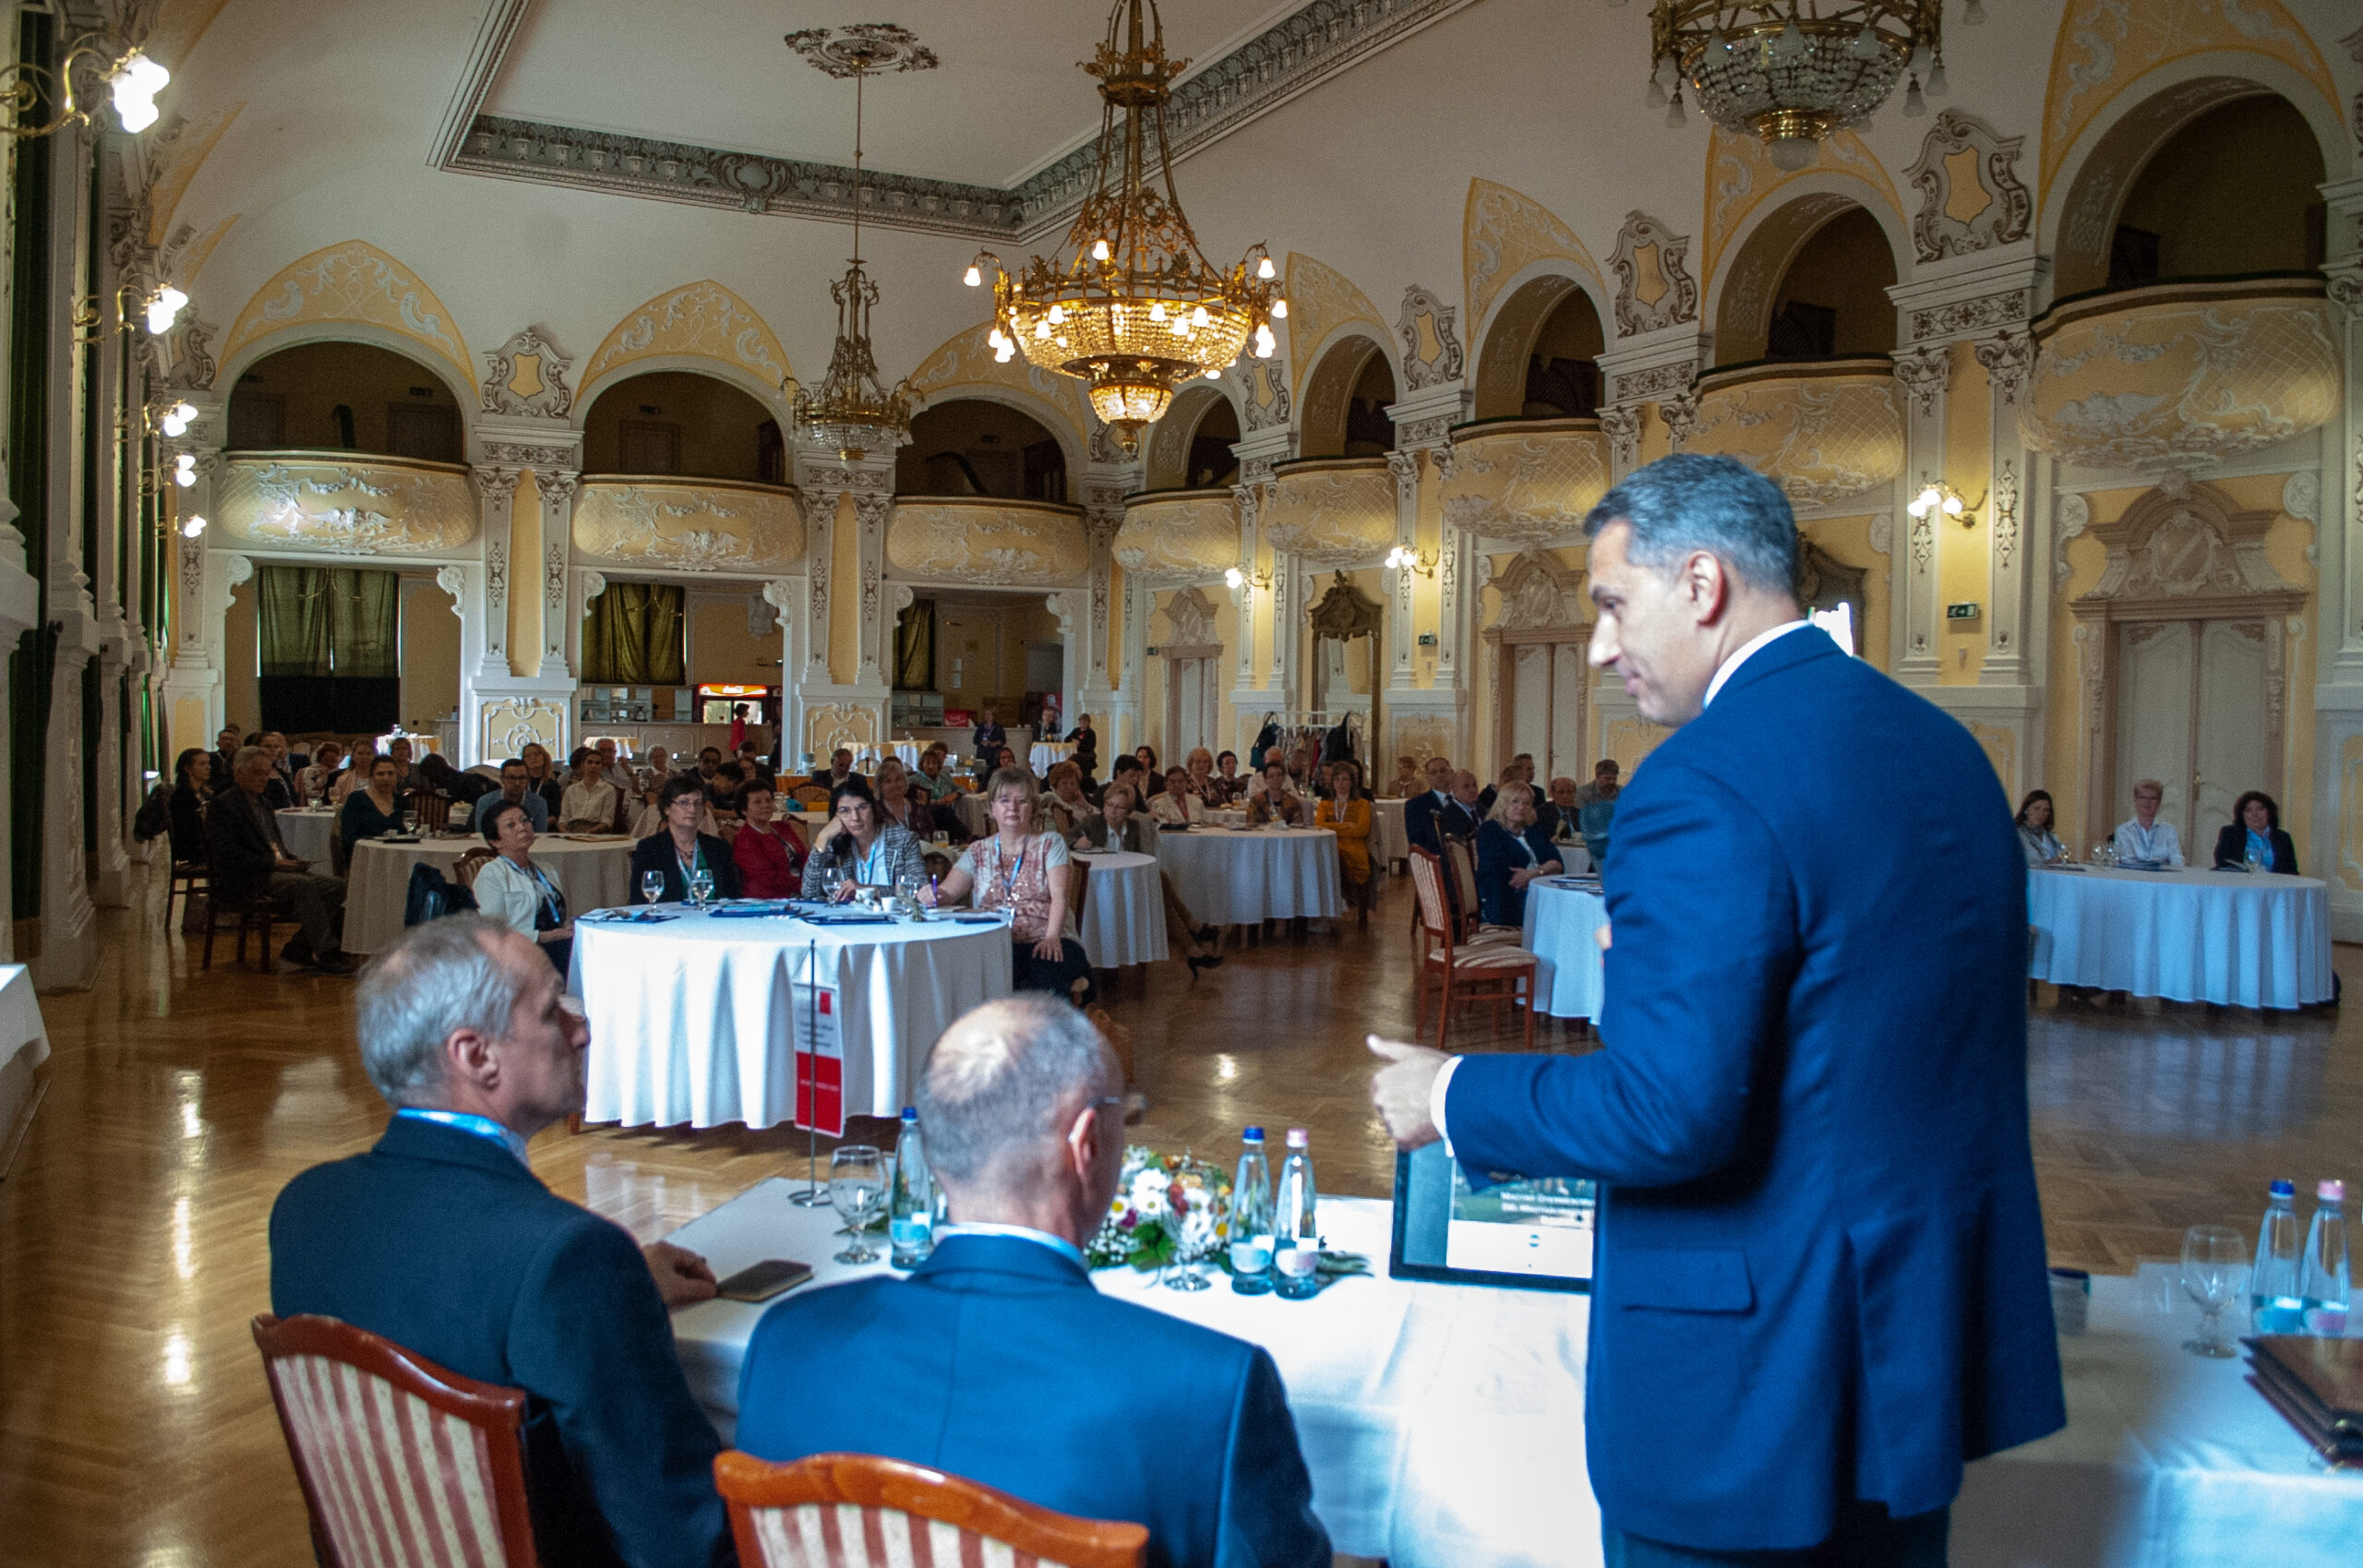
(135, 1427)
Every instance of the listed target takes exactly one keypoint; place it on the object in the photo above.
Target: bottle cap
(2283, 1187)
(1299, 1138)
(1254, 1135)
(911, 1113)
(2332, 1191)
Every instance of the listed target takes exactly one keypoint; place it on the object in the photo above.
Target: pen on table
(934, 892)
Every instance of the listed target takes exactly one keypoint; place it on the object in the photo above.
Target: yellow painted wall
(1963, 554)
(430, 635)
(240, 659)
(1847, 540)
(526, 579)
(845, 598)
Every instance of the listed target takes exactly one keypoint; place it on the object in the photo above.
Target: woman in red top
(770, 855)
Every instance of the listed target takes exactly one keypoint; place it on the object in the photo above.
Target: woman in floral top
(1021, 868)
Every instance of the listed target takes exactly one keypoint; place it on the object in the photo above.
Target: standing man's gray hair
(436, 979)
(1005, 1080)
(1691, 502)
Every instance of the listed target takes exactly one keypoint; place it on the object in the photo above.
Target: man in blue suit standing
(998, 1361)
(1820, 1282)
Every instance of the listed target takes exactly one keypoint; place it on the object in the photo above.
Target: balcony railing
(1330, 512)
(1525, 482)
(345, 503)
(1179, 535)
(990, 542)
(1823, 431)
(668, 524)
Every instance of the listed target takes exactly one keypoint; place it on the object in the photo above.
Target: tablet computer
(1534, 1234)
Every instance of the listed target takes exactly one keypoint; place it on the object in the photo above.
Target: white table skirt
(592, 875)
(1237, 878)
(1123, 912)
(24, 1046)
(1044, 755)
(2225, 937)
(1388, 841)
(1443, 1425)
(690, 1018)
(976, 815)
(865, 758)
(307, 835)
(1561, 931)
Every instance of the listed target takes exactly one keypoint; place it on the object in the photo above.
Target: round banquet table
(1239, 876)
(2224, 937)
(976, 813)
(1388, 841)
(1124, 910)
(1047, 754)
(307, 835)
(593, 875)
(692, 1018)
(1561, 931)
(867, 758)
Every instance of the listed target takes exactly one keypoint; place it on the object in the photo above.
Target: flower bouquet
(1167, 1209)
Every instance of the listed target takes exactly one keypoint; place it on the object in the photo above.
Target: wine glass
(2252, 862)
(858, 1188)
(700, 887)
(2215, 1271)
(652, 885)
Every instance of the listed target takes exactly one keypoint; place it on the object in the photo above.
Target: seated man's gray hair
(1005, 1080)
(1691, 502)
(436, 978)
(243, 755)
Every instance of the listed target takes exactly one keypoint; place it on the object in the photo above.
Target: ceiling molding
(1316, 43)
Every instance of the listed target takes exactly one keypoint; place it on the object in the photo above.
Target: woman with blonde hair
(895, 805)
(1023, 870)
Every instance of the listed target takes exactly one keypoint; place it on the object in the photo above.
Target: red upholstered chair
(1489, 969)
(836, 1509)
(402, 1463)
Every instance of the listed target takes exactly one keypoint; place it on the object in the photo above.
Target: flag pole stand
(812, 1197)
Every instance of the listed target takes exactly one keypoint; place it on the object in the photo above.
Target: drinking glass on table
(858, 1188)
(2215, 1274)
(2251, 863)
(651, 885)
(700, 887)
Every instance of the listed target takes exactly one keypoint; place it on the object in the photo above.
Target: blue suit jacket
(997, 1360)
(439, 1240)
(1820, 1269)
(1498, 904)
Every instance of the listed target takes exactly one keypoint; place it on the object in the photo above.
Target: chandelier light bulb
(1668, 71)
(1937, 80)
(164, 309)
(1266, 269)
(1099, 250)
(1199, 318)
(972, 277)
(1866, 45)
(1061, 340)
(1004, 353)
(134, 87)
(1792, 45)
(1794, 152)
(1279, 310)
(1157, 311)
(1673, 114)
(1058, 314)
(1918, 62)
(994, 338)
(1915, 105)
(1214, 375)
(185, 471)
(1234, 577)
(1265, 343)
(1655, 97)
(1952, 506)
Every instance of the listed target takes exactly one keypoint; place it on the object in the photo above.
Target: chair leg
(1444, 1010)
(212, 920)
(1529, 984)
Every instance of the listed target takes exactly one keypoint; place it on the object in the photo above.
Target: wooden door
(2192, 712)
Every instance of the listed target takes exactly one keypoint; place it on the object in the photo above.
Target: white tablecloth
(592, 875)
(1047, 754)
(24, 1046)
(2223, 937)
(976, 814)
(1443, 1424)
(1123, 912)
(1562, 926)
(691, 1022)
(865, 758)
(307, 835)
(1388, 841)
(1237, 878)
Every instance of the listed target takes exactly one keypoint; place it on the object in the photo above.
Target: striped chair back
(403, 1465)
(859, 1511)
(1427, 883)
(1462, 855)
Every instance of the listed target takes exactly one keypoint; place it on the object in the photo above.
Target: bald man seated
(998, 1361)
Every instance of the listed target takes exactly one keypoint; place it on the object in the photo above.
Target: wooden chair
(189, 878)
(809, 798)
(1465, 972)
(464, 868)
(821, 1512)
(257, 914)
(430, 811)
(1118, 1039)
(401, 1461)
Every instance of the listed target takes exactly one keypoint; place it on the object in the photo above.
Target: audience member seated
(678, 850)
(1273, 798)
(858, 848)
(752, 766)
(518, 894)
(192, 790)
(2255, 832)
(282, 793)
(1121, 826)
(839, 769)
(722, 790)
(1408, 780)
(463, 789)
(512, 787)
(1512, 851)
(1224, 786)
(1559, 815)
(709, 764)
(934, 781)
(1066, 809)
(1344, 812)
(1129, 772)
(769, 851)
(1420, 810)
(225, 747)
(1470, 807)
(2144, 839)
(651, 776)
(1086, 741)
(248, 861)
(898, 806)
(989, 737)
(2041, 845)
(314, 782)
(542, 778)
(443, 1241)
(1179, 802)
(986, 1362)
(1199, 771)
(1150, 772)
(373, 811)
(1603, 783)
(1024, 870)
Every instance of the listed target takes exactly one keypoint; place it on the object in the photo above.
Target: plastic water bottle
(910, 1211)
(2274, 1305)
(1296, 1236)
(1251, 1220)
(2324, 1292)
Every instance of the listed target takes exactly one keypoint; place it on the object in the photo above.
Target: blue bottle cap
(2283, 1187)
(911, 1113)
(1254, 1135)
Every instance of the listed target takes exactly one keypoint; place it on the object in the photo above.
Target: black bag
(432, 896)
(154, 818)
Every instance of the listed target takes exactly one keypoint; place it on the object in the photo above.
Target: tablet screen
(1536, 1234)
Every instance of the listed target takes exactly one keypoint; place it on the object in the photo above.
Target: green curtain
(632, 636)
(664, 634)
(365, 624)
(914, 648)
(291, 615)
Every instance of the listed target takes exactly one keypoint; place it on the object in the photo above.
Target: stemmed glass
(858, 1188)
(2215, 1271)
(651, 885)
(2251, 863)
(700, 887)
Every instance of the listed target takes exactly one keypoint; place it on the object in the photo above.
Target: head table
(2227, 937)
(1240, 876)
(692, 1019)
(592, 872)
(1123, 909)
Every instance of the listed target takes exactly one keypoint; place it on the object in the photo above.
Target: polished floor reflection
(135, 1427)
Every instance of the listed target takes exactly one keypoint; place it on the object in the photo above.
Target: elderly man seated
(250, 861)
(442, 1239)
(994, 1359)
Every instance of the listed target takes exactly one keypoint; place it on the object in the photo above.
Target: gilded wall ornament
(1431, 353)
(1971, 198)
(525, 379)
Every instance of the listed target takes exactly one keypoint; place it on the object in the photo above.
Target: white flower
(1148, 1193)
(1198, 1230)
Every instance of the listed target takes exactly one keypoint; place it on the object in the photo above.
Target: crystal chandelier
(1139, 310)
(1792, 71)
(852, 411)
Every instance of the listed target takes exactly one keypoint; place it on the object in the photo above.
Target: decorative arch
(1167, 456)
(963, 366)
(1741, 180)
(1768, 241)
(1507, 239)
(702, 328)
(1330, 388)
(256, 350)
(1517, 321)
(1325, 305)
(354, 291)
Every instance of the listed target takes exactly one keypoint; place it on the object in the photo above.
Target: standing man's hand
(1401, 1090)
(682, 1277)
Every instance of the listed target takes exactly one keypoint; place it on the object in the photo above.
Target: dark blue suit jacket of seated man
(998, 1361)
(441, 1241)
(1820, 1268)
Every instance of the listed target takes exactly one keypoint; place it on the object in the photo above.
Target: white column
(1405, 467)
(496, 492)
(558, 488)
(2008, 357)
(1924, 374)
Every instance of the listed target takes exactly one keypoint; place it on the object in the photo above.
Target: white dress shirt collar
(1731, 666)
(1058, 1244)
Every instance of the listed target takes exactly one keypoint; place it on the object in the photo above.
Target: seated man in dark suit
(1420, 810)
(839, 769)
(442, 1239)
(2255, 830)
(249, 861)
(992, 1361)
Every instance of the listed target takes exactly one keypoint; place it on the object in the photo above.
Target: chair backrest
(836, 1509)
(466, 867)
(429, 809)
(1427, 884)
(809, 796)
(1462, 856)
(400, 1460)
(1078, 888)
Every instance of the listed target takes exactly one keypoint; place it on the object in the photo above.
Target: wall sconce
(132, 81)
(192, 526)
(1237, 578)
(1402, 558)
(162, 306)
(1940, 500)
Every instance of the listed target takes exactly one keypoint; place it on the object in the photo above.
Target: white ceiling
(1006, 100)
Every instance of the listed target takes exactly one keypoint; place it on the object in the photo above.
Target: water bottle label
(1296, 1262)
(1251, 1257)
(913, 1231)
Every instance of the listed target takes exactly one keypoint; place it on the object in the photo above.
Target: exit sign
(1960, 612)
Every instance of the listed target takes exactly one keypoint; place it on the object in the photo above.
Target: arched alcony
(1190, 448)
(982, 447)
(2235, 190)
(1345, 400)
(344, 396)
(682, 422)
(1810, 281)
(1541, 358)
